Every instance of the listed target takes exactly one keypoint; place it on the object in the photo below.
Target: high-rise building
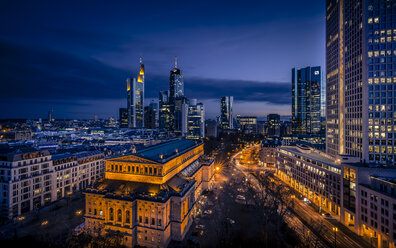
(180, 114)
(247, 124)
(306, 100)
(176, 91)
(361, 79)
(195, 120)
(151, 116)
(211, 128)
(123, 118)
(226, 112)
(135, 92)
(273, 122)
(164, 110)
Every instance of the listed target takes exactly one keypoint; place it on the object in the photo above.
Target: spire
(175, 61)
(140, 60)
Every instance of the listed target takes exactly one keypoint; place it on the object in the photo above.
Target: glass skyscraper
(306, 100)
(135, 98)
(226, 112)
(195, 120)
(176, 91)
(361, 79)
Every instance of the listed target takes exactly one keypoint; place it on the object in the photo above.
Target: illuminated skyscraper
(361, 79)
(226, 112)
(306, 100)
(195, 120)
(135, 91)
(176, 90)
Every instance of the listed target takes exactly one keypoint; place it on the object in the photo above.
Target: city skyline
(83, 69)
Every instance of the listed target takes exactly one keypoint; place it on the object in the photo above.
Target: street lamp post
(335, 230)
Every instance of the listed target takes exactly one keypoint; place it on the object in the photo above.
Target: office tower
(180, 114)
(211, 128)
(247, 124)
(226, 112)
(273, 122)
(164, 110)
(176, 90)
(135, 98)
(195, 120)
(361, 79)
(306, 100)
(123, 118)
(151, 116)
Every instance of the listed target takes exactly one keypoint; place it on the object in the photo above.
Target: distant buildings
(150, 197)
(164, 110)
(306, 100)
(247, 124)
(151, 116)
(123, 121)
(135, 99)
(195, 120)
(226, 112)
(273, 122)
(211, 128)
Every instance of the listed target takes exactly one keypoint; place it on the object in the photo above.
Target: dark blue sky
(74, 56)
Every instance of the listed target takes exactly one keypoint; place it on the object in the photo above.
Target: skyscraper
(151, 115)
(361, 79)
(195, 120)
(226, 112)
(164, 110)
(176, 90)
(135, 98)
(306, 100)
(123, 118)
(273, 122)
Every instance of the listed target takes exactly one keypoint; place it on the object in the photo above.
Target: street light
(335, 230)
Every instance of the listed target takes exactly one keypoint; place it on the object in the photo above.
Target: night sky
(74, 57)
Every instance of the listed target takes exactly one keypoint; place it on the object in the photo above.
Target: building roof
(312, 154)
(167, 150)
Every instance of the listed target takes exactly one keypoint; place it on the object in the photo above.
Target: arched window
(111, 214)
(127, 216)
(119, 215)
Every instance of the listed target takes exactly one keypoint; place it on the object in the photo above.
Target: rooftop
(167, 149)
(312, 154)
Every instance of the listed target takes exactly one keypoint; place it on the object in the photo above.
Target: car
(200, 227)
(240, 197)
(231, 221)
(209, 211)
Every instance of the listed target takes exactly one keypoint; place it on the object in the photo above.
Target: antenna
(140, 59)
(175, 61)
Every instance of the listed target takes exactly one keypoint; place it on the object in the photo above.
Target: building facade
(164, 110)
(247, 124)
(135, 99)
(360, 78)
(306, 100)
(226, 112)
(195, 120)
(123, 121)
(151, 116)
(273, 125)
(345, 187)
(176, 91)
(31, 179)
(150, 196)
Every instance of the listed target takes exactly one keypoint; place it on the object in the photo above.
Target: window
(127, 216)
(152, 221)
(146, 220)
(140, 219)
(119, 215)
(111, 214)
(159, 222)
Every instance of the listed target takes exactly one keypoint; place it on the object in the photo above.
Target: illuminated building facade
(361, 80)
(31, 179)
(176, 92)
(151, 116)
(135, 99)
(226, 112)
(150, 196)
(306, 100)
(195, 120)
(363, 197)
